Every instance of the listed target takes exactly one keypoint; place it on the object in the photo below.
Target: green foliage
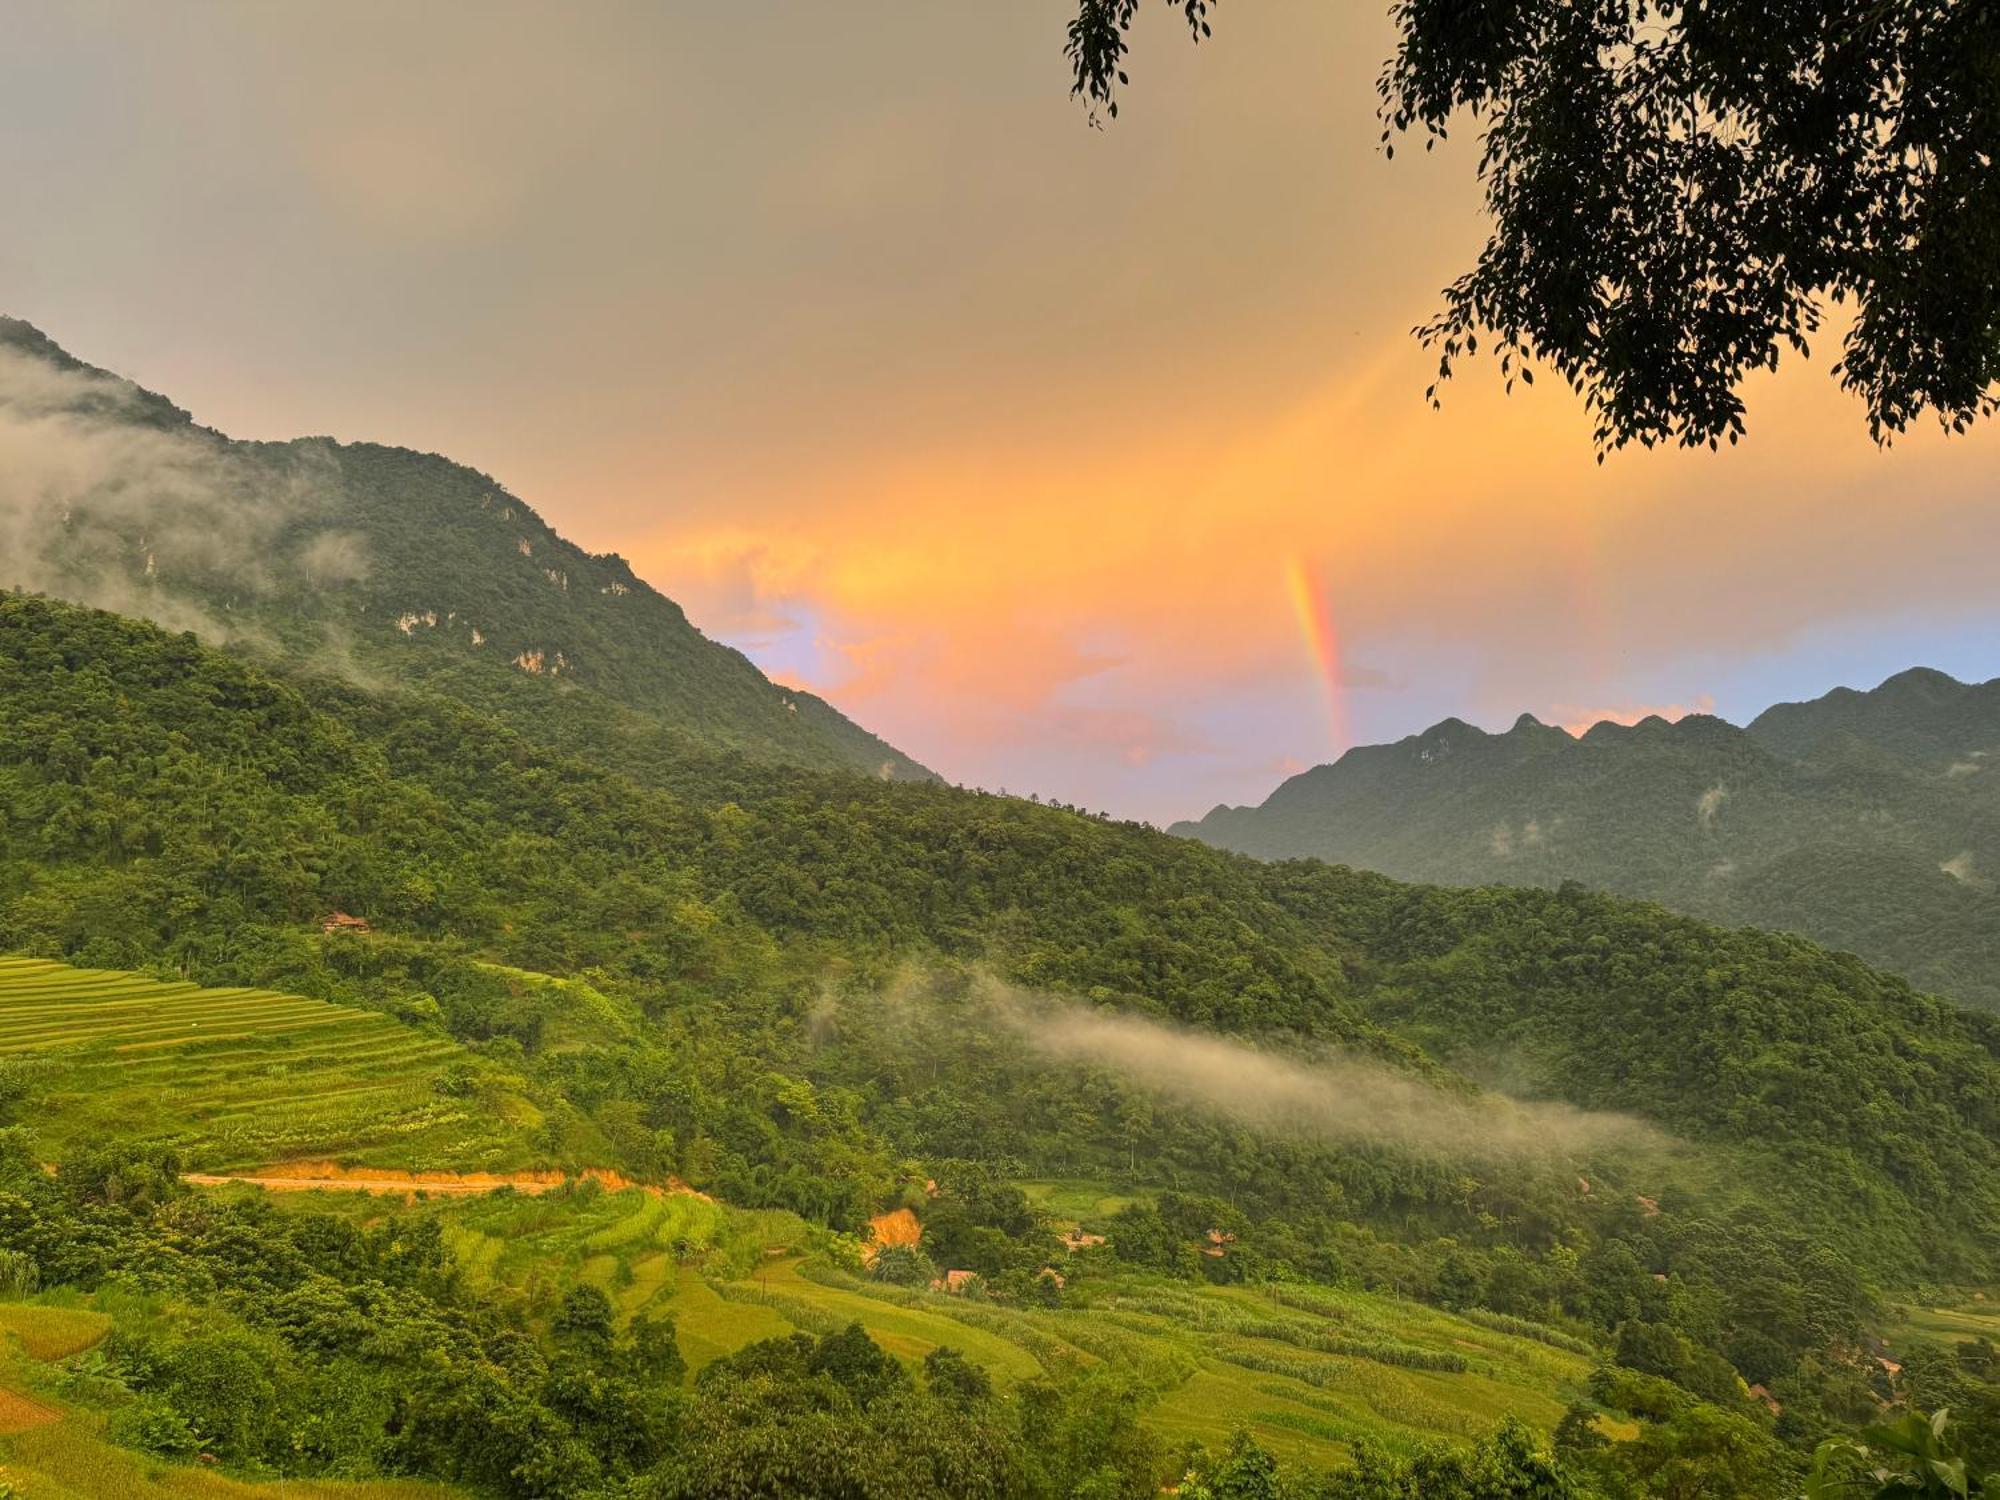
(954, 1379)
(779, 985)
(1508, 1465)
(19, 1275)
(903, 1265)
(1836, 819)
(1910, 1457)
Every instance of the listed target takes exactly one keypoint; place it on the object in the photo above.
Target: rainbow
(1322, 641)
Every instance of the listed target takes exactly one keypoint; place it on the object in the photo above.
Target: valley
(629, 1079)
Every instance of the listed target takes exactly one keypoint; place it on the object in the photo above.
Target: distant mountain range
(380, 564)
(1869, 821)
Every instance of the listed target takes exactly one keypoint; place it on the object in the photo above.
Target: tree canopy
(1677, 190)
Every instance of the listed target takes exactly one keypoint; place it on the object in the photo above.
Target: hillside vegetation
(1869, 822)
(378, 564)
(778, 985)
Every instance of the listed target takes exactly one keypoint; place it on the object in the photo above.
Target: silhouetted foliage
(1676, 189)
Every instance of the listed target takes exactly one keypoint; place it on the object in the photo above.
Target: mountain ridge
(1881, 802)
(378, 562)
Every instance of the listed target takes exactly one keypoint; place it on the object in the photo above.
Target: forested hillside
(812, 992)
(1869, 822)
(379, 564)
(1926, 717)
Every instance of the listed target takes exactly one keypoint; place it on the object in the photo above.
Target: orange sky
(1020, 441)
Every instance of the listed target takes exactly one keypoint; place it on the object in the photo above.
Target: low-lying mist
(1321, 1095)
(1331, 1098)
(104, 502)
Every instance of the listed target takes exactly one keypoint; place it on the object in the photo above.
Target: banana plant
(1905, 1460)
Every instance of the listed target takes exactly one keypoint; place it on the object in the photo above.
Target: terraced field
(1947, 1325)
(240, 1077)
(1309, 1370)
(631, 1244)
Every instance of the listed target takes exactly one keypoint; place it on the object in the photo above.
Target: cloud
(735, 587)
(104, 501)
(1332, 1098)
(91, 501)
(1709, 803)
(1578, 720)
(335, 557)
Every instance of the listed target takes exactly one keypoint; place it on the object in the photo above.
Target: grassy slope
(239, 1078)
(729, 1278)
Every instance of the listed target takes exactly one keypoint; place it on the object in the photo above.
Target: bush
(153, 1424)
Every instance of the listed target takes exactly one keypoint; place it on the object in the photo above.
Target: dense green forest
(797, 970)
(1869, 822)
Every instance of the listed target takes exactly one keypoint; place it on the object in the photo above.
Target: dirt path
(306, 1176)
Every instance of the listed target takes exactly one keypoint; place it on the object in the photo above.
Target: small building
(1076, 1239)
(340, 921)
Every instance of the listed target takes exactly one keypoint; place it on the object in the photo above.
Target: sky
(1086, 462)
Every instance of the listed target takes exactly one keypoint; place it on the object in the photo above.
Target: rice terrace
(219, 1074)
(236, 1078)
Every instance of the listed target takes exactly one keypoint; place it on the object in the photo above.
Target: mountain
(1921, 715)
(982, 1146)
(381, 564)
(1867, 821)
(823, 998)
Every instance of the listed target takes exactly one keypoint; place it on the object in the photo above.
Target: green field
(1307, 1369)
(1222, 1358)
(38, 1332)
(71, 1460)
(240, 1078)
(1948, 1325)
(243, 1078)
(1086, 1202)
